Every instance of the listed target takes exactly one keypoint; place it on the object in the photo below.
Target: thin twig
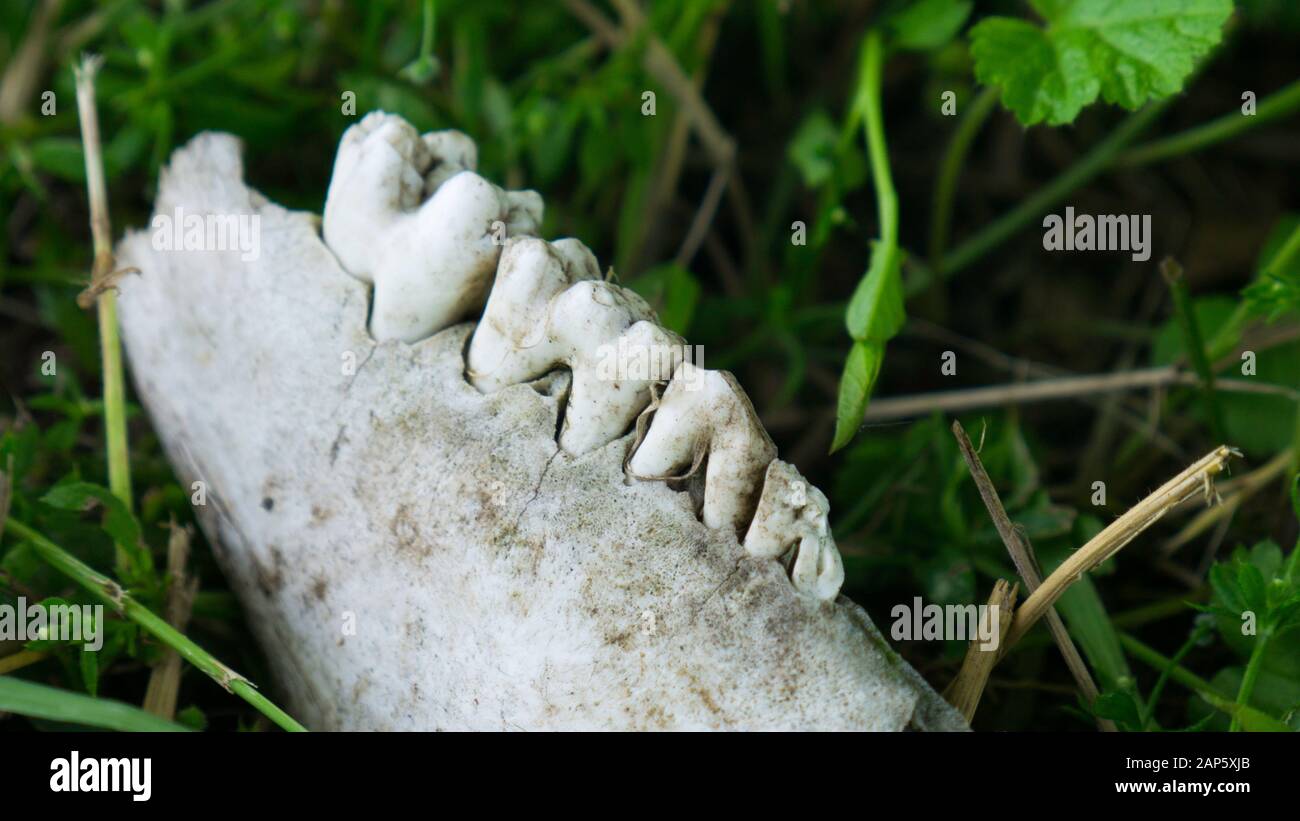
(662, 65)
(1042, 390)
(1025, 368)
(703, 217)
(1196, 478)
(26, 64)
(1022, 555)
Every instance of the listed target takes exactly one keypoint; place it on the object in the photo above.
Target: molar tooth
(450, 152)
(546, 309)
(430, 263)
(508, 344)
(705, 411)
(792, 512)
(611, 385)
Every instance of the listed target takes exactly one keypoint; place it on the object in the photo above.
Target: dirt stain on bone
(270, 580)
(405, 528)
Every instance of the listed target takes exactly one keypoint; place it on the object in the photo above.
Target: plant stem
(1000, 230)
(1148, 711)
(1176, 672)
(1278, 104)
(19, 660)
(954, 159)
(119, 458)
(1193, 343)
(881, 178)
(1251, 675)
(426, 33)
(112, 594)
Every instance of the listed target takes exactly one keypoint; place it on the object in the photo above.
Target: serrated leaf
(1125, 52)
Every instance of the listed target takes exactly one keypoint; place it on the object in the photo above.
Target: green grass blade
(39, 701)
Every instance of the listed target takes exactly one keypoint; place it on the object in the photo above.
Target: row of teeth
(408, 214)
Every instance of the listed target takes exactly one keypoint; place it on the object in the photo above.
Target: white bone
(793, 513)
(490, 580)
(547, 309)
(405, 213)
(706, 412)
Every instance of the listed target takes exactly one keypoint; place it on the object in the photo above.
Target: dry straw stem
(1247, 486)
(1043, 390)
(165, 679)
(101, 286)
(1197, 478)
(1022, 554)
(965, 690)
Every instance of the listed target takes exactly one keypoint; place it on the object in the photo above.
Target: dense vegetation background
(556, 103)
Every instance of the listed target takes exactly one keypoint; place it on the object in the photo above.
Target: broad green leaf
(875, 315)
(927, 24)
(860, 371)
(117, 522)
(876, 310)
(38, 701)
(61, 157)
(1125, 52)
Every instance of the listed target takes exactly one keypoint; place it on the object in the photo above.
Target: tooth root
(818, 569)
(547, 309)
(793, 513)
(430, 263)
(706, 411)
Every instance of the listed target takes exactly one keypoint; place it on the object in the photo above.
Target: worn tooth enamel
(706, 412)
(547, 309)
(450, 152)
(431, 262)
(793, 513)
